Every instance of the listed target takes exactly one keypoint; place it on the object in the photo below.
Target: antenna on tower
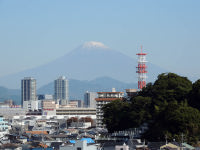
(141, 48)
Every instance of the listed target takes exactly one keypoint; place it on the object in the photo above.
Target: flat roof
(75, 108)
(107, 99)
(109, 92)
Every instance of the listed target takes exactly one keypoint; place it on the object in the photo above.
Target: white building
(10, 112)
(105, 98)
(28, 93)
(122, 147)
(89, 99)
(76, 112)
(61, 90)
(79, 145)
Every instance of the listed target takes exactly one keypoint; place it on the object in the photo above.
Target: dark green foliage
(140, 110)
(194, 97)
(115, 115)
(164, 106)
(120, 115)
(168, 87)
(174, 120)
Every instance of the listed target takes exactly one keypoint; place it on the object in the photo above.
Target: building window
(78, 148)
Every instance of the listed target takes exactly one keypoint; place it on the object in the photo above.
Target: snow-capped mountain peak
(94, 44)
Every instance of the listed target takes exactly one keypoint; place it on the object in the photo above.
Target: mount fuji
(87, 62)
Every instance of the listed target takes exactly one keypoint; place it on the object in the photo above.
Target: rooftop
(109, 92)
(107, 99)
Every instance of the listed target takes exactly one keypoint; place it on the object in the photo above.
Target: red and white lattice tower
(141, 69)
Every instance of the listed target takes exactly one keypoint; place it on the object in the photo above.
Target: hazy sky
(34, 32)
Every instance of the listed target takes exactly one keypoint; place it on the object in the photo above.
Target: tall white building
(28, 93)
(105, 98)
(61, 90)
(89, 99)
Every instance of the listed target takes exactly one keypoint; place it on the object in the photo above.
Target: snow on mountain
(94, 44)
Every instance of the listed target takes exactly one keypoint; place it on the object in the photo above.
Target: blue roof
(72, 141)
(89, 140)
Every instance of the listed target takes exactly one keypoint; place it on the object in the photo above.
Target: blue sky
(34, 32)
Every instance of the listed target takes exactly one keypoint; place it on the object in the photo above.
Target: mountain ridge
(84, 63)
(77, 88)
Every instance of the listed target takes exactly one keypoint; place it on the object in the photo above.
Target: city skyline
(34, 33)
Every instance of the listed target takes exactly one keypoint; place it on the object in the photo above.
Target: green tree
(140, 110)
(175, 120)
(115, 115)
(194, 96)
(169, 87)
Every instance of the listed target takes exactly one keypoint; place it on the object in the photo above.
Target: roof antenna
(141, 48)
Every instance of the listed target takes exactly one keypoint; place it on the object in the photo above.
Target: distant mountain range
(90, 67)
(13, 94)
(87, 62)
(77, 88)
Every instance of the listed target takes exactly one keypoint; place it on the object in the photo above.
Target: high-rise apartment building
(61, 90)
(89, 99)
(105, 98)
(28, 93)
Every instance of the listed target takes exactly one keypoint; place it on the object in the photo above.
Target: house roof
(59, 136)
(88, 140)
(188, 146)
(72, 141)
(169, 146)
(37, 132)
(43, 145)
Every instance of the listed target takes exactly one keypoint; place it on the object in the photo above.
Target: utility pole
(166, 139)
(144, 144)
(182, 135)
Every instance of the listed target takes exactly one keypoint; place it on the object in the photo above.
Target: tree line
(170, 106)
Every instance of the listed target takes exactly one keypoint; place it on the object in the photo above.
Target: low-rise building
(3, 127)
(80, 112)
(79, 145)
(131, 93)
(10, 112)
(49, 107)
(78, 102)
(73, 104)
